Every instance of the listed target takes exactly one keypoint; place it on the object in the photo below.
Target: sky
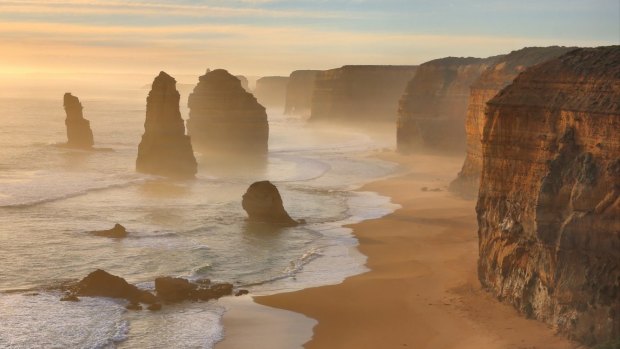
(116, 39)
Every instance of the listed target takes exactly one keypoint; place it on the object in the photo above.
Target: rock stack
(79, 134)
(490, 82)
(263, 203)
(549, 201)
(431, 112)
(225, 119)
(299, 92)
(165, 150)
(270, 91)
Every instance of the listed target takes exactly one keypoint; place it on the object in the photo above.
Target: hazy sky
(261, 37)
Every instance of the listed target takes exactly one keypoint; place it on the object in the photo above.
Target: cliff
(226, 119)
(244, 82)
(490, 82)
(165, 149)
(359, 93)
(431, 112)
(549, 202)
(270, 91)
(299, 92)
(79, 134)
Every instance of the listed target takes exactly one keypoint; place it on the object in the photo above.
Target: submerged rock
(225, 119)
(263, 203)
(100, 283)
(173, 290)
(117, 232)
(165, 150)
(79, 134)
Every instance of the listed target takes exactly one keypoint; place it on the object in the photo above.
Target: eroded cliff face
(359, 93)
(490, 82)
(299, 92)
(549, 201)
(226, 119)
(270, 91)
(79, 134)
(431, 112)
(165, 149)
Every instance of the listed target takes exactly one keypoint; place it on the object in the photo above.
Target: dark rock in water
(263, 203)
(117, 232)
(173, 290)
(79, 134)
(224, 119)
(241, 293)
(271, 90)
(100, 283)
(154, 307)
(133, 306)
(69, 298)
(165, 150)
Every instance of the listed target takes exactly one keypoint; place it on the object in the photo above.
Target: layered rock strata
(431, 112)
(270, 91)
(549, 201)
(165, 150)
(299, 92)
(225, 119)
(490, 82)
(359, 93)
(79, 134)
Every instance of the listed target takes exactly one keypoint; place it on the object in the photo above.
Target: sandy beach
(421, 290)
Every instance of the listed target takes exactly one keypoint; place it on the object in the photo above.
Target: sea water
(51, 197)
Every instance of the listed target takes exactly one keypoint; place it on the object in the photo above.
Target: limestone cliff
(165, 149)
(270, 91)
(549, 201)
(79, 134)
(359, 93)
(244, 82)
(299, 92)
(490, 82)
(431, 112)
(226, 119)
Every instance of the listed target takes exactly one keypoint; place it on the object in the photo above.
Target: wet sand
(421, 290)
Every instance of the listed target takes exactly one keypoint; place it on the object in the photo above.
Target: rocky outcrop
(270, 91)
(117, 232)
(263, 203)
(549, 201)
(100, 283)
(226, 119)
(299, 92)
(244, 82)
(79, 134)
(165, 150)
(173, 290)
(359, 93)
(490, 82)
(431, 112)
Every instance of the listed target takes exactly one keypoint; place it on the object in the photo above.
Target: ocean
(51, 197)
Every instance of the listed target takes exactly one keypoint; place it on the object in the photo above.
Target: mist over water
(50, 198)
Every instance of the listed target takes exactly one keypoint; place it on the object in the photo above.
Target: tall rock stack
(165, 149)
(225, 119)
(491, 81)
(244, 82)
(431, 113)
(270, 91)
(299, 92)
(79, 134)
(549, 201)
(356, 93)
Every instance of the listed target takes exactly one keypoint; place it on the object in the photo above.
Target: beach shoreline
(422, 289)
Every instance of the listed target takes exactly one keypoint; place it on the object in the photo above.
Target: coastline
(421, 291)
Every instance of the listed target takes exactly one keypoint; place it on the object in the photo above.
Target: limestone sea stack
(244, 82)
(226, 119)
(263, 203)
(431, 112)
(79, 134)
(270, 91)
(165, 150)
(299, 92)
(549, 201)
(490, 82)
(355, 93)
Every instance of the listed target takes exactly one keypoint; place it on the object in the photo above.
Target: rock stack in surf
(165, 149)
(79, 134)
(225, 119)
(263, 203)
